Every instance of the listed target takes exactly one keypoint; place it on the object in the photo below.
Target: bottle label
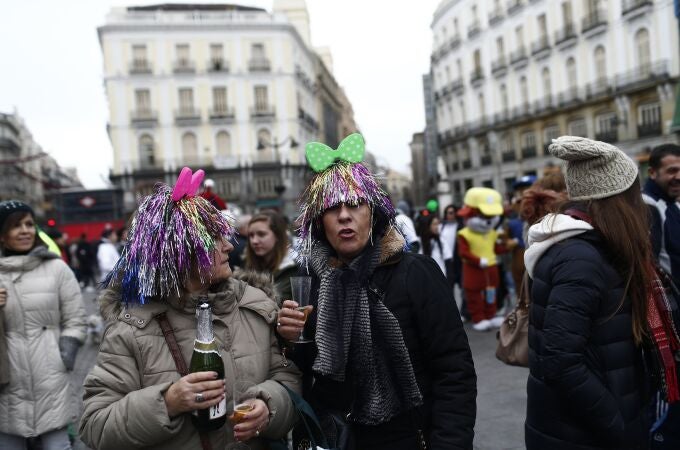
(218, 410)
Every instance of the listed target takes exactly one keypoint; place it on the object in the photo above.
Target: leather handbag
(513, 336)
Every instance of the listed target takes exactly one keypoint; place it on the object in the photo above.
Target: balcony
(495, 16)
(184, 66)
(476, 76)
(643, 76)
(649, 129)
(501, 117)
(634, 8)
(522, 111)
(187, 116)
(569, 97)
(466, 164)
(460, 130)
(499, 66)
(599, 88)
(263, 113)
(508, 156)
(11, 144)
(566, 37)
(594, 23)
(222, 115)
(485, 160)
(519, 57)
(259, 65)
(144, 118)
(456, 86)
(541, 47)
(454, 42)
(514, 6)
(140, 67)
(544, 104)
(217, 65)
(610, 136)
(474, 29)
(528, 152)
(307, 120)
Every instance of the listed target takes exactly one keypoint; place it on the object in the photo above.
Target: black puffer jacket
(585, 388)
(419, 296)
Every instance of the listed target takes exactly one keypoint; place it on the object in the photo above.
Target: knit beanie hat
(594, 169)
(9, 207)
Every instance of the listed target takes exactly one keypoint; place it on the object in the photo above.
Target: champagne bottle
(206, 357)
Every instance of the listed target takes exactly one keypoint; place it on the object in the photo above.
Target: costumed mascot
(478, 244)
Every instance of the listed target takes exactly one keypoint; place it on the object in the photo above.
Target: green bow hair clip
(320, 156)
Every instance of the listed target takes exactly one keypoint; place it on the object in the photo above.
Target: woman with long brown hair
(590, 274)
(268, 251)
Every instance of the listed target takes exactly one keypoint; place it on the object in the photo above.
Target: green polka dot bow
(320, 156)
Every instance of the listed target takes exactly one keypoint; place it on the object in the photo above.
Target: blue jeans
(53, 440)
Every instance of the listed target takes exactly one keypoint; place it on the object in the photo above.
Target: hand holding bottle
(182, 395)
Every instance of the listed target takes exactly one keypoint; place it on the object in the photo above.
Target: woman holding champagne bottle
(389, 354)
(182, 333)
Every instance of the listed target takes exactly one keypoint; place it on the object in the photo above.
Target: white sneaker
(483, 325)
(496, 322)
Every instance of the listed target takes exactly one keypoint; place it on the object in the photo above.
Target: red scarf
(664, 336)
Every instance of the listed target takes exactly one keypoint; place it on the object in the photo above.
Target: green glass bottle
(206, 357)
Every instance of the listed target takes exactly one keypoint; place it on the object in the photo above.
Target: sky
(51, 72)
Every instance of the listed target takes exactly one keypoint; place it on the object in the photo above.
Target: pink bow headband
(187, 184)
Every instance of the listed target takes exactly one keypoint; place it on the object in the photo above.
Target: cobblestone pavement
(501, 397)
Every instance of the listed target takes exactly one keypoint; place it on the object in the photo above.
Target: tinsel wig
(173, 236)
(340, 178)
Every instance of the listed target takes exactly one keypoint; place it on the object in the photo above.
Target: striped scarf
(359, 335)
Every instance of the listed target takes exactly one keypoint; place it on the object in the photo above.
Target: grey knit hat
(594, 169)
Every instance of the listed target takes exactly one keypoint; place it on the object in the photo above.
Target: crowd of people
(595, 253)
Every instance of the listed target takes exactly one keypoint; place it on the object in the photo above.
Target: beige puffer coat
(43, 303)
(123, 400)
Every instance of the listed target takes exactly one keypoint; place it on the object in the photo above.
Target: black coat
(586, 381)
(420, 298)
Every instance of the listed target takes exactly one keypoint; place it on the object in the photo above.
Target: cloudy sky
(52, 72)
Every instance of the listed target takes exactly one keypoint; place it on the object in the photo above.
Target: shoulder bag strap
(170, 339)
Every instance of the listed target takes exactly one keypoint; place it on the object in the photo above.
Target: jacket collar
(654, 190)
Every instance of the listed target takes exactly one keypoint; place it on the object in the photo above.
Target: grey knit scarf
(357, 333)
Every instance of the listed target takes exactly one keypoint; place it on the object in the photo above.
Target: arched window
(600, 66)
(189, 148)
(642, 49)
(482, 107)
(463, 116)
(223, 144)
(572, 76)
(547, 86)
(146, 151)
(504, 98)
(524, 91)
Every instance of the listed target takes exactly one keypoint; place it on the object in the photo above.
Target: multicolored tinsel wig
(340, 178)
(172, 237)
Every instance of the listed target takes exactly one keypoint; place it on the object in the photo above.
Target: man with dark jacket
(661, 193)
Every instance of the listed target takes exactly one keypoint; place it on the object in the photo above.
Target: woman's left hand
(254, 423)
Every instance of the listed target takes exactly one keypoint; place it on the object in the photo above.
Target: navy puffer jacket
(585, 388)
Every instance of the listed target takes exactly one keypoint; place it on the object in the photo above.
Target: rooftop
(193, 7)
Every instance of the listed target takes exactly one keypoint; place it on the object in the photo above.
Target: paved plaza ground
(501, 398)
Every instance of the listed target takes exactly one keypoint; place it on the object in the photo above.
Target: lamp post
(281, 186)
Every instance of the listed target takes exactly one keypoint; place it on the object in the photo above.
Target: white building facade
(511, 75)
(226, 88)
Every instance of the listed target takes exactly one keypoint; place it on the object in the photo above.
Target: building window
(577, 127)
(549, 133)
(566, 13)
(143, 101)
(572, 75)
(519, 36)
(604, 123)
(261, 99)
(189, 148)
(600, 66)
(504, 98)
(186, 100)
(139, 58)
(463, 116)
(459, 66)
(500, 47)
(524, 91)
(264, 138)
(649, 114)
(482, 108)
(146, 151)
(223, 143)
(528, 139)
(547, 84)
(220, 104)
(642, 49)
(182, 53)
(216, 56)
(257, 51)
(542, 27)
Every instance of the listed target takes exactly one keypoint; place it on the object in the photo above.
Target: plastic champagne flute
(301, 287)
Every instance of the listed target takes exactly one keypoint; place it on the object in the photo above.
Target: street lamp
(261, 144)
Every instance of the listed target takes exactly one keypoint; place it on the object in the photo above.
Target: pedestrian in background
(268, 251)
(390, 356)
(432, 245)
(107, 253)
(86, 263)
(590, 274)
(44, 326)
